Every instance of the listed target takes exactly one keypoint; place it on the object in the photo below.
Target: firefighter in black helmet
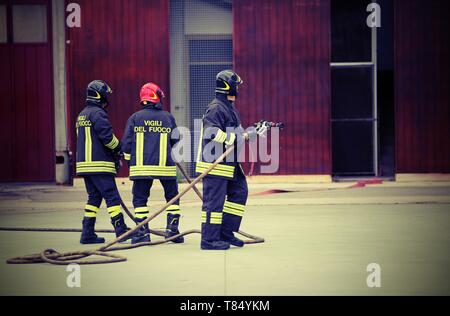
(98, 154)
(225, 187)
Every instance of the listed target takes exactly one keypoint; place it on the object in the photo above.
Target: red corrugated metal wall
(125, 43)
(282, 51)
(422, 81)
(26, 110)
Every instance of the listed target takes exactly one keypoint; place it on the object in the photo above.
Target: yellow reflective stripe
(227, 86)
(233, 212)
(139, 149)
(91, 208)
(87, 144)
(126, 156)
(152, 173)
(113, 143)
(231, 140)
(162, 149)
(90, 214)
(219, 170)
(141, 212)
(220, 137)
(215, 218)
(199, 153)
(220, 167)
(203, 217)
(93, 170)
(141, 209)
(173, 208)
(234, 205)
(96, 164)
(151, 167)
(215, 172)
(234, 208)
(170, 171)
(114, 210)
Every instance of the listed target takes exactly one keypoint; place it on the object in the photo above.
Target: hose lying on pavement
(54, 257)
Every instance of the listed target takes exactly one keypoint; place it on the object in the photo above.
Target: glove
(118, 165)
(251, 134)
(118, 160)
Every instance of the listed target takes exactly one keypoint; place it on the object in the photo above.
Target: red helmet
(150, 92)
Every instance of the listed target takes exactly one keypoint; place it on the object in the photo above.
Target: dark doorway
(361, 91)
(386, 97)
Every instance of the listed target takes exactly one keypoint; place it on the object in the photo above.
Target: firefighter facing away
(225, 187)
(147, 146)
(98, 156)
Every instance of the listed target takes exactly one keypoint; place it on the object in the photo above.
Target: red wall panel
(282, 52)
(26, 109)
(422, 81)
(125, 43)
(6, 113)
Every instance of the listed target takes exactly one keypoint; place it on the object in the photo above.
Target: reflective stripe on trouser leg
(90, 211)
(232, 215)
(234, 206)
(141, 212)
(214, 192)
(94, 196)
(211, 225)
(114, 210)
(174, 210)
(213, 218)
(106, 185)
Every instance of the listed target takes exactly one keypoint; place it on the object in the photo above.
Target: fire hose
(54, 257)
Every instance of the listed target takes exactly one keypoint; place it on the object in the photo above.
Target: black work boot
(211, 238)
(172, 228)
(228, 236)
(120, 227)
(214, 245)
(88, 235)
(143, 234)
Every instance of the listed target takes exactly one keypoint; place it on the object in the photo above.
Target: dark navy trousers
(141, 193)
(223, 204)
(99, 187)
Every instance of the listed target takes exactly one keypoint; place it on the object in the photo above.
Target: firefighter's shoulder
(98, 113)
(215, 107)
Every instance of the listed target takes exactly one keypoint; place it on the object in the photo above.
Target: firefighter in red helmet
(147, 146)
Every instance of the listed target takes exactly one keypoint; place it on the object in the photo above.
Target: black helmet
(97, 92)
(227, 82)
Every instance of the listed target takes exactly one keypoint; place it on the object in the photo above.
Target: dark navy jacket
(221, 127)
(96, 142)
(147, 144)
